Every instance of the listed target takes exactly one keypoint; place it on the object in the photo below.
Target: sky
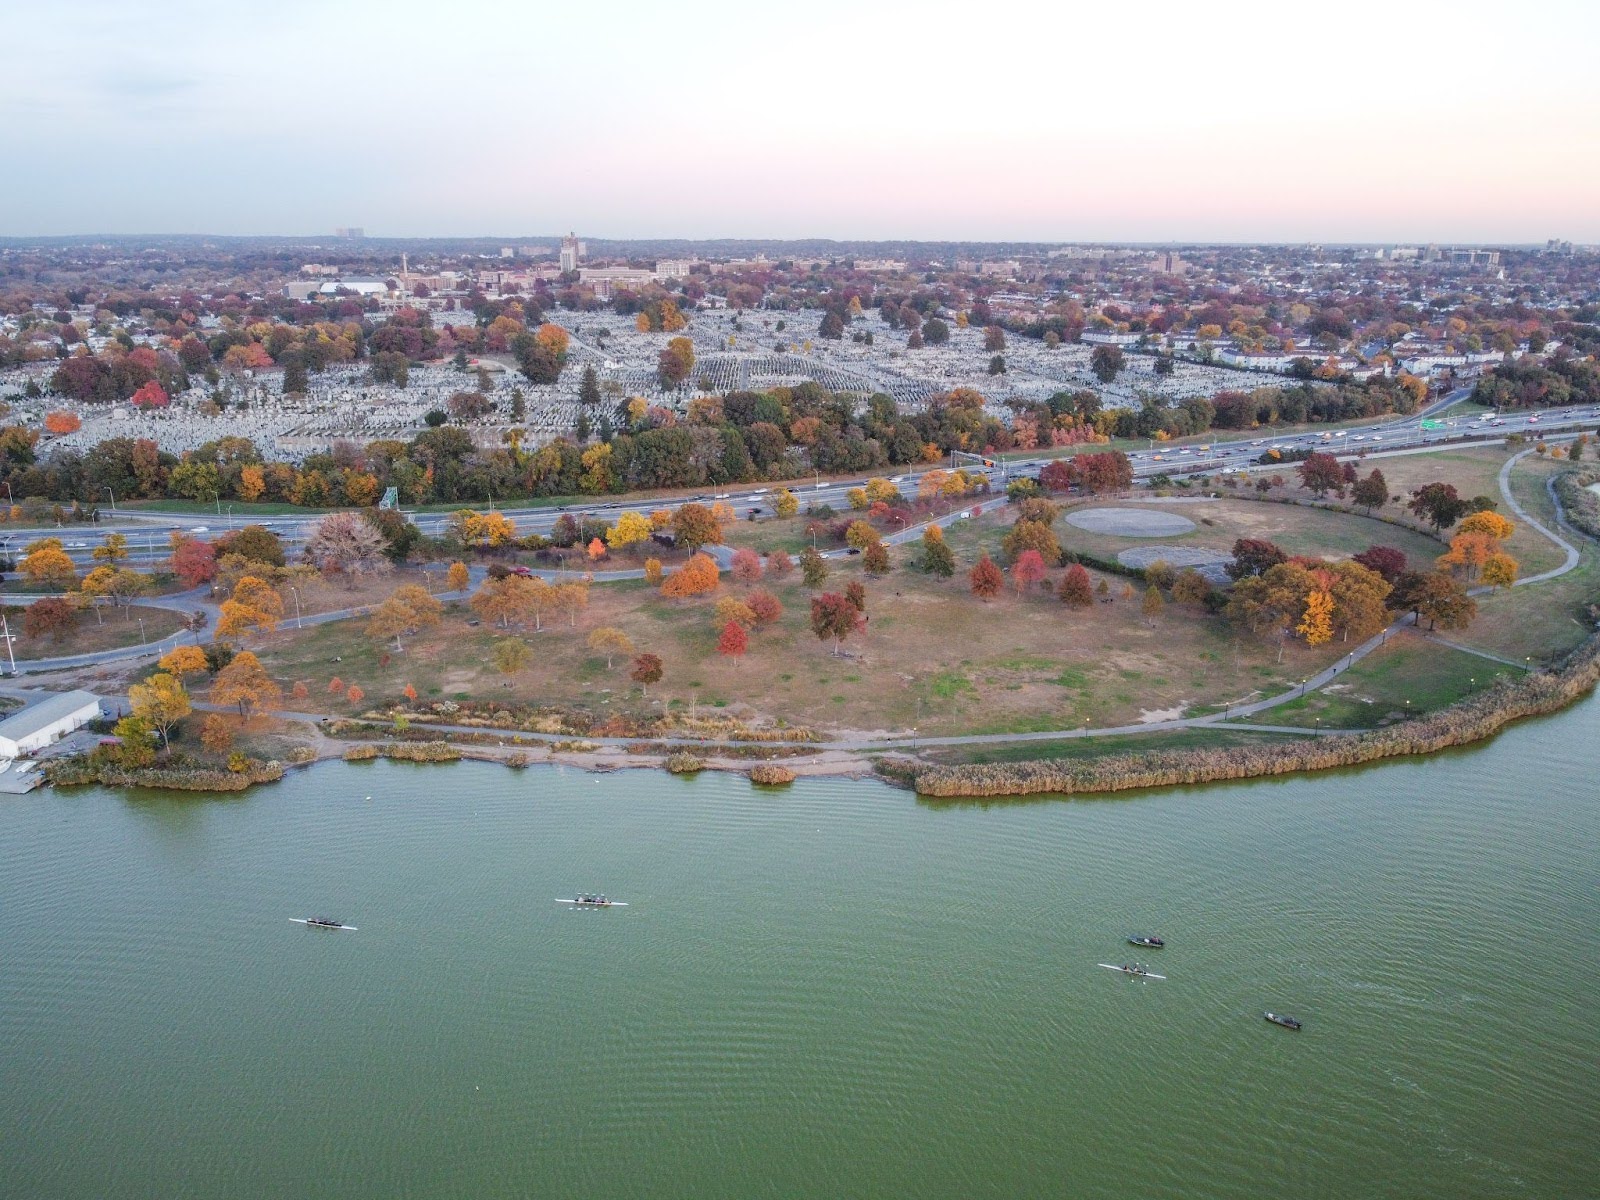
(1403, 122)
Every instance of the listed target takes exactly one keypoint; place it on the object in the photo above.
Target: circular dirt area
(1208, 562)
(1130, 522)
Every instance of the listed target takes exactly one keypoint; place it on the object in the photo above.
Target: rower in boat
(1149, 940)
(1280, 1019)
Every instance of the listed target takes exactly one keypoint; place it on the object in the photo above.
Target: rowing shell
(1131, 974)
(320, 925)
(591, 904)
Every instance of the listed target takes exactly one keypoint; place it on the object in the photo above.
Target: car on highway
(201, 529)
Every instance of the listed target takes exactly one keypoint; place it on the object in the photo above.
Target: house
(42, 724)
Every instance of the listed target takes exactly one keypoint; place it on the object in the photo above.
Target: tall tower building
(571, 252)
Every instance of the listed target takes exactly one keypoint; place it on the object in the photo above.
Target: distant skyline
(1010, 121)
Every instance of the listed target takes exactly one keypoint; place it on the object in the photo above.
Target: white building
(42, 724)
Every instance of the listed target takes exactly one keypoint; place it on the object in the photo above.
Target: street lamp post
(5, 631)
(296, 592)
(230, 516)
(106, 490)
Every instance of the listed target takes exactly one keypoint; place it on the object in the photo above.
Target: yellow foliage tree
(184, 660)
(695, 577)
(245, 682)
(631, 528)
(457, 578)
(1500, 570)
(46, 563)
(255, 604)
(610, 641)
(1490, 523)
(1316, 626)
(160, 700)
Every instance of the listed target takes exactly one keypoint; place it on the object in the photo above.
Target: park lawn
(241, 508)
(1540, 621)
(1218, 524)
(120, 628)
(1407, 675)
(1207, 738)
(775, 533)
(933, 658)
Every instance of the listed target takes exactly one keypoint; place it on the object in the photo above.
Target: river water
(831, 990)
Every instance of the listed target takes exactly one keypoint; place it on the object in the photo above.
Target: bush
(771, 775)
(681, 762)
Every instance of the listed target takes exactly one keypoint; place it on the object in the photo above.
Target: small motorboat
(1148, 940)
(1280, 1019)
(321, 923)
(587, 901)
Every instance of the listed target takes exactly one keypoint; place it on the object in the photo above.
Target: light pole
(230, 516)
(5, 630)
(296, 592)
(141, 631)
(106, 490)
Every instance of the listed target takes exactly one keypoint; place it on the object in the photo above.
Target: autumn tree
(1372, 492)
(779, 564)
(1385, 560)
(408, 610)
(875, 559)
(61, 423)
(985, 579)
(113, 550)
(937, 557)
(161, 701)
(511, 655)
(631, 529)
(764, 606)
(1027, 571)
(1152, 604)
(652, 572)
(1036, 537)
(813, 567)
(1438, 597)
(1488, 524)
(610, 641)
(1076, 591)
(1316, 623)
(646, 670)
(695, 525)
(345, 543)
(1499, 570)
(183, 660)
(255, 605)
(457, 577)
(855, 592)
(746, 565)
(1439, 504)
(51, 617)
(215, 734)
(245, 682)
(194, 562)
(1108, 471)
(1321, 474)
(46, 564)
(1191, 587)
(1253, 556)
(118, 585)
(694, 578)
(833, 616)
(354, 694)
(733, 642)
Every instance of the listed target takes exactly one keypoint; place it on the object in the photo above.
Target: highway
(147, 532)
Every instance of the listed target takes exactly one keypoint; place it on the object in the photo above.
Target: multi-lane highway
(148, 532)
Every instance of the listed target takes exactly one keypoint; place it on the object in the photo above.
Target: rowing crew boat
(321, 923)
(593, 902)
(1136, 972)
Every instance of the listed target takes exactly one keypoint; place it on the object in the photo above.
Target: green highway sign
(1433, 424)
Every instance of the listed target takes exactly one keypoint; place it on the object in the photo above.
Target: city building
(571, 253)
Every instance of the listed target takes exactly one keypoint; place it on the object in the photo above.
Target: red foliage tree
(1058, 475)
(1108, 471)
(746, 565)
(1321, 474)
(765, 606)
(1385, 560)
(1028, 570)
(1076, 590)
(985, 579)
(734, 640)
(151, 395)
(194, 562)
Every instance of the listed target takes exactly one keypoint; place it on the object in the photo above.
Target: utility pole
(5, 630)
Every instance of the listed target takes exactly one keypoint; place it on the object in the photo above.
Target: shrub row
(771, 774)
(72, 772)
(426, 752)
(683, 763)
(1582, 506)
(1477, 717)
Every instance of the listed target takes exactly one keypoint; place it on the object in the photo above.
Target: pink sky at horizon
(935, 121)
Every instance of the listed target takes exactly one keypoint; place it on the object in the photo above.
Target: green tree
(813, 567)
